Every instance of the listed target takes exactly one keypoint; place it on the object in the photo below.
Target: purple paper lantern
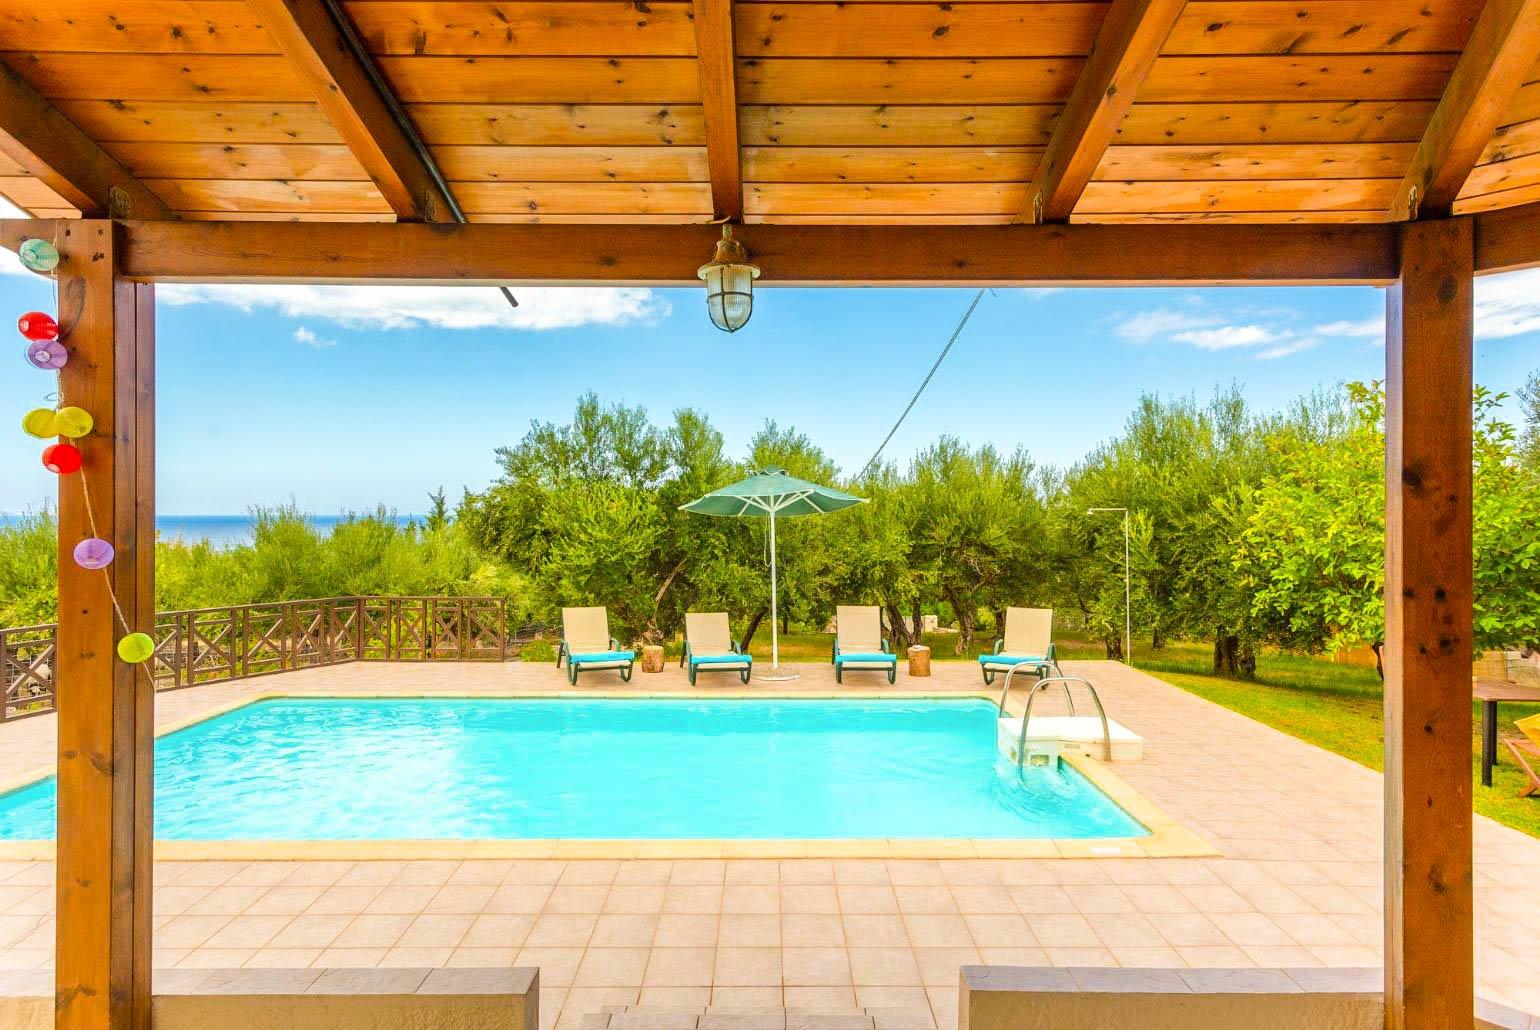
(47, 354)
(93, 553)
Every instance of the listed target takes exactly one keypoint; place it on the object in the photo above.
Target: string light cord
(928, 377)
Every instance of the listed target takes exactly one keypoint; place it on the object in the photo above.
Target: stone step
(617, 1017)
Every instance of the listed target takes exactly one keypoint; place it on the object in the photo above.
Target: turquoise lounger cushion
(1011, 659)
(720, 659)
(602, 656)
(880, 656)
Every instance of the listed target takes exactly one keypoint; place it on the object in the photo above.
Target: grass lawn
(1339, 707)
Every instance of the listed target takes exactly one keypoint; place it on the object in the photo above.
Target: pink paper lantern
(47, 355)
(93, 553)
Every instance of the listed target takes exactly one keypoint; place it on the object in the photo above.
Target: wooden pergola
(1013, 142)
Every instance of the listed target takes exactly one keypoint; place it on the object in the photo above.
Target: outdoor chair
(709, 644)
(586, 644)
(859, 643)
(1028, 640)
(1525, 751)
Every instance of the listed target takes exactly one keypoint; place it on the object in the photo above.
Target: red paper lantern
(37, 325)
(61, 458)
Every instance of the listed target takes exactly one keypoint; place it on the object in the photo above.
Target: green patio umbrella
(772, 494)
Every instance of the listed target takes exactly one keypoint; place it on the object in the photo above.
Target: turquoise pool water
(449, 769)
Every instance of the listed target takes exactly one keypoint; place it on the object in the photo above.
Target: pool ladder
(1069, 698)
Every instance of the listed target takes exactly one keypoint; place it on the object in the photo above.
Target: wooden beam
(1502, 49)
(106, 706)
(1122, 56)
(51, 149)
(1429, 947)
(719, 99)
(790, 255)
(1508, 239)
(319, 51)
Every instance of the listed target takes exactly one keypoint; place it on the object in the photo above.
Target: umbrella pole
(775, 622)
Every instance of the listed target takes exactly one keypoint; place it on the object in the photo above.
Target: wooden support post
(106, 707)
(1429, 949)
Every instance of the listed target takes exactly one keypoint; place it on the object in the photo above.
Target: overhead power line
(928, 377)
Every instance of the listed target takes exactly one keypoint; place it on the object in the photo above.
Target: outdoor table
(1489, 693)
(652, 658)
(919, 660)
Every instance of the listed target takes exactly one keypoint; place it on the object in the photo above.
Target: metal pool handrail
(1005, 691)
(1026, 716)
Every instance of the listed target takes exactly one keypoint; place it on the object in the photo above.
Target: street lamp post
(1128, 605)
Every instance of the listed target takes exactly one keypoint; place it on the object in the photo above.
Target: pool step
(643, 1018)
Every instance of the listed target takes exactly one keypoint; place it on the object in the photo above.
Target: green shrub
(538, 650)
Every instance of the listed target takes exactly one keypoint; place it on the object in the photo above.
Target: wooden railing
(211, 645)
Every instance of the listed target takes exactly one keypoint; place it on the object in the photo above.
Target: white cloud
(1287, 347)
(1148, 325)
(1508, 305)
(310, 339)
(441, 307)
(1364, 329)
(1228, 337)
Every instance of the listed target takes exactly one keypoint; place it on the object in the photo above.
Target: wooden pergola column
(1429, 948)
(105, 706)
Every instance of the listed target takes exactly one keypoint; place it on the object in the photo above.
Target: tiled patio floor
(1299, 883)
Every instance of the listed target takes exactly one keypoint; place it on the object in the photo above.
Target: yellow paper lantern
(136, 648)
(41, 423)
(73, 422)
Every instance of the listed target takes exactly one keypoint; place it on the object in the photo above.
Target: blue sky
(341, 398)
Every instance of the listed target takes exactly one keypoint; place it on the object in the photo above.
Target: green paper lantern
(38, 255)
(42, 423)
(136, 648)
(73, 422)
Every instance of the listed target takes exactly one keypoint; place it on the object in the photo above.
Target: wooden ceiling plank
(616, 199)
(889, 164)
(716, 54)
(528, 28)
(1255, 161)
(1121, 58)
(1294, 195)
(1502, 50)
(268, 195)
(857, 125)
(1509, 239)
(237, 160)
(544, 80)
(229, 251)
(175, 121)
(886, 30)
(340, 83)
(133, 26)
(34, 135)
(571, 164)
(1385, 121)
(205, 78)
(1322, 27)
(616, 125)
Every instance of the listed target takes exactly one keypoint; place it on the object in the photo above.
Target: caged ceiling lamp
(729, 280)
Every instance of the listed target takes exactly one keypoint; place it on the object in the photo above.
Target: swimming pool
(336, 769)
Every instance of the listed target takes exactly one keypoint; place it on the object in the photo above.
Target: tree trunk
(999, 616)
(1114, 644)
(916, 624)
(897, 627)
(965, 617)
(1157, 639)
(748, 633)
(1379, 658)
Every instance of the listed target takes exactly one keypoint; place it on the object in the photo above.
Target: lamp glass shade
(93, 553)
(136, 648)
(73, 422)
(38, 255)
(42, 423)
(48, 355)
(729, 280)
(61, 458)
(38, 325)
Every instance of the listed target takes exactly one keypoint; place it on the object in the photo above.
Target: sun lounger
(709, 644)
(1028, 641)
(859, 643)
(1525, 751)
(586, 644)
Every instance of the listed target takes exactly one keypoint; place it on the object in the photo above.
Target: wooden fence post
(1429, 951)
(106, 706)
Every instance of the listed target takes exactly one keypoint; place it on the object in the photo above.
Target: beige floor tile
(1149, 958)
(757, 899)
(518, 898)
(1215, 957)
(635, 899)
(807, 871)
(875, 931)
(561, 930)
(225, 901)
(343, 899)
(938, 931)
(436, 931)
(1251, 928)
(809, 898)
(753, 871)
(931, 898)
(308, 931)
(612, 967)
(1188, 929)
(676, 999)
(905, 998)
(283, 958)
(247, 932)
(494, 930)
(680, 967)
(865, 899)
(915, 872)
(884, 967)
(573, 898)
(589, 873)
(815, 967)
(317, 874)
(405, 899)
(216, 958)
(860, 871)
(686, 931)
(1124, 930)
(1281, 956)
(807, 930)
(416, 958)
(460, 899)
(1013, 957)
(370, 874)
(1042, 899)
(615, 930)
(373, 930)
(748, 931)
(752, 997)
(535, 871)
(1157, 899)
(285, 901)
(698, 872)
(939, 966)
(1003, 931)
(1098, 899)
(748, 967)
(349, 958)
(1080, 956)
(557, 965)
(982, 898)
(425, 873)
(480, 873)
(1313, 930)
(482, 958)
(644, 872)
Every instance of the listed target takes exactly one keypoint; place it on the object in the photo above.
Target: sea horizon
(223, 530)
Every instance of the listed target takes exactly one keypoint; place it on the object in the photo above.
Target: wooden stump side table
(919, 660)
(652, 658)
